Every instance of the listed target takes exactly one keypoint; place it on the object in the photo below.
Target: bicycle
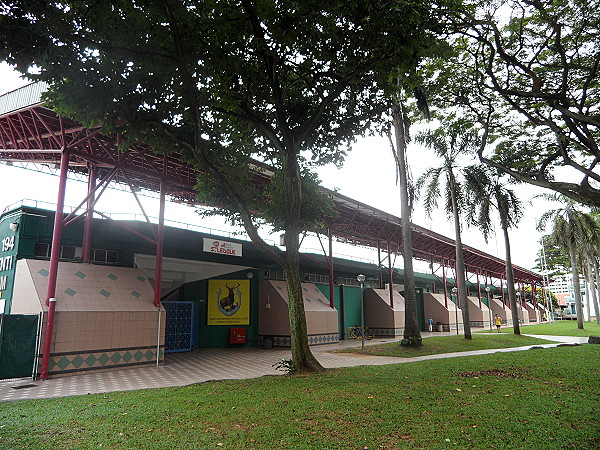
(355, 332)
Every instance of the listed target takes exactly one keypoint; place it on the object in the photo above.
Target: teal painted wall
(217, 336)
(351, 307)
(349, 313)
(9, 245)
(421, 309)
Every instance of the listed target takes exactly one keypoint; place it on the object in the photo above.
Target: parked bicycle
(355, 332)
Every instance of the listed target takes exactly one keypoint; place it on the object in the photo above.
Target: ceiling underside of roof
(35, 134)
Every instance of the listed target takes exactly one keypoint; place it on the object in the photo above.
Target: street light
(361, 280)
(454, 291)
(487, 289)
(518, 306)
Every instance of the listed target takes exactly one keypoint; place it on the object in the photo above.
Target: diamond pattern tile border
(102, 360)
(316, 339)
(388, 332)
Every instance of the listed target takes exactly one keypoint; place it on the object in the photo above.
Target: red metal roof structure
(32, 133)
(362, 224)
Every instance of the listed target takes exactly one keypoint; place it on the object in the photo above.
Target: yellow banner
(228, 302)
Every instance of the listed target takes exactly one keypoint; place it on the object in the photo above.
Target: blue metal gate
(180, 327)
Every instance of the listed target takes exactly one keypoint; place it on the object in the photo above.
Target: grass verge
(542, 398)
(563, 328)
(436, 345)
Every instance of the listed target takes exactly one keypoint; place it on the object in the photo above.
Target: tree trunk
(302, 356)
(304, 360)
(510, 279)
(576, 286)
(412, 333)
(586, 276)
(460, 264)
(596, 303)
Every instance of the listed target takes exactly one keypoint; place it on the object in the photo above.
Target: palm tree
(449, 142)
(596, 288)
(594, 260)
(571, 229)
(412, 333)
(588, 255)
(486, 191)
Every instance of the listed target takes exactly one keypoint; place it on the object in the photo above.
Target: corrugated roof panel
(23, 97)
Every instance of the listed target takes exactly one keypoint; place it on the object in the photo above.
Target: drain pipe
(54, 255)
(158, 341)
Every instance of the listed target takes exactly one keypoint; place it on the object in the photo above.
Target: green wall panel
(349, 312)
(217, 336)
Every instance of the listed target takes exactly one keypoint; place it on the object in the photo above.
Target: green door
(18, 335)
(420, 309)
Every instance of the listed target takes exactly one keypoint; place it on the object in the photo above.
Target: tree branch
(198, 148)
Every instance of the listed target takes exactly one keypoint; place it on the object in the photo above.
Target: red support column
(330, 261)
(502, 291)
(54, 256)
(86, 246)
(159, 244)
(380, 269)
(487, 284)
(445, 283)
(478, 290)
(389, 249)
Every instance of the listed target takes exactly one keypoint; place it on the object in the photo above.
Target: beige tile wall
(84, 331)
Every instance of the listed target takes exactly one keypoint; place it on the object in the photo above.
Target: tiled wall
(93, 340)
(105, 316)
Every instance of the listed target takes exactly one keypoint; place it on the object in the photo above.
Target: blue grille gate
(180, 327)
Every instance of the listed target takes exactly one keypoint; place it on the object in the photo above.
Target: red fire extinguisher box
(237, 335)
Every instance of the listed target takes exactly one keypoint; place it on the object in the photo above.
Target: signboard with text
(8, 263)
(222, 247)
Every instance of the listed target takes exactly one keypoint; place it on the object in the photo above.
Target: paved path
(202, 365)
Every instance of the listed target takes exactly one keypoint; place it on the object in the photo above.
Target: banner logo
(228, 302)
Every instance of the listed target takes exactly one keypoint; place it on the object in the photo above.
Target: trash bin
(439, 326)
(268, 342)
(430, 324)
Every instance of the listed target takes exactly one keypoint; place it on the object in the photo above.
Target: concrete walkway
(201, 365)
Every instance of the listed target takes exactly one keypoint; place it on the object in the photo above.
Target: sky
(368, 176)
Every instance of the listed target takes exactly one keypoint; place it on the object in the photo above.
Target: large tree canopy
(225, 82)
(527, 71)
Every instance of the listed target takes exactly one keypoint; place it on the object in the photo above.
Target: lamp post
(454, 291)
(518, 305)
(361, 280)
(487, 289)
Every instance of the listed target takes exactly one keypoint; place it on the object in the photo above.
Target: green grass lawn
(449, 344)
(563, 328)
(535, 399)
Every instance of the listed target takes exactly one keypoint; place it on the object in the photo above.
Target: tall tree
(449, 141)
(571, 228)
(595, 262)
(588, 255)
(486, 190)
(401, 126)
(596, 288)
(225, 83)
(543, 64)
(527, 72)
